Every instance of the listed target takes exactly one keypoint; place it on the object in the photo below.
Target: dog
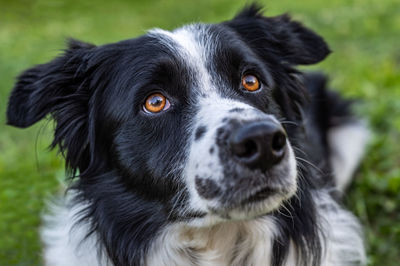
(198, 146)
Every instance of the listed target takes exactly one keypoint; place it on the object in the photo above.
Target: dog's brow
(192, 43)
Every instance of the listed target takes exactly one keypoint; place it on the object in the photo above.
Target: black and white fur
(164, 189)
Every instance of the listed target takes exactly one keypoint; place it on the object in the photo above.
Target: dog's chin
(259, 203)
(262, 202)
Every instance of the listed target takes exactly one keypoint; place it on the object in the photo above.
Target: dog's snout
(258, 145)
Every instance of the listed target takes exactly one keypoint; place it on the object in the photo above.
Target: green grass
(364, 35)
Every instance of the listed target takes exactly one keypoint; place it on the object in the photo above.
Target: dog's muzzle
(254, 155)
(250, 169)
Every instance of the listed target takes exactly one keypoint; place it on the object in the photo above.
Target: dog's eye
(156, 103)
(250, 82)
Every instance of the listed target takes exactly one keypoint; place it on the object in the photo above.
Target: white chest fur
(231, 243)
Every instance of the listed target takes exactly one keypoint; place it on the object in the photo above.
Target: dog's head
(191, 119)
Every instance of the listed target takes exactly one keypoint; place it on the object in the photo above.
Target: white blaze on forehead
(192, 43)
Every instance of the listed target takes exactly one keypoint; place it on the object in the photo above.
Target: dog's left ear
(46, 89)
(59, 88)
(290, 40)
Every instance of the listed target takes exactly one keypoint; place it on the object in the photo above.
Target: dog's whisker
(178, 198)
(311, 164)
(299, 150)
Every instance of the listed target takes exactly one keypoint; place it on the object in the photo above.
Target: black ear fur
(43, 88)
(290, 40)
(59, 88)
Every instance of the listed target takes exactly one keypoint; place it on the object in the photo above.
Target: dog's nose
(258, 144)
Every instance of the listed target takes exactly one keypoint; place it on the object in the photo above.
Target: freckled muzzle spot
(200, 132)
(207, 188)
(211, 150)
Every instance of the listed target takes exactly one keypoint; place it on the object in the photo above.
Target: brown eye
(156, 103)
(250, 82)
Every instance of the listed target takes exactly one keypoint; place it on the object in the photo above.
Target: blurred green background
(365, 38)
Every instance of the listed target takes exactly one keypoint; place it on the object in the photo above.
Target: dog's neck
(230, 243)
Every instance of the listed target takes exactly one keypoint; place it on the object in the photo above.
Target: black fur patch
(207, 188)
(201, 130)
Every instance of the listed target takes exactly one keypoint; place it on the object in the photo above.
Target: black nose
(258, 144)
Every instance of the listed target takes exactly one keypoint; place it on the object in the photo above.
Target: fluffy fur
(167, 188)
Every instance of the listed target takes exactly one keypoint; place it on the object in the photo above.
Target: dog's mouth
(255, 197)
(251, 204)
(259, 195)
(246, 193)
(254, 194)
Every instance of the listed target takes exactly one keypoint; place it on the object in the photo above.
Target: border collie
(198, 146)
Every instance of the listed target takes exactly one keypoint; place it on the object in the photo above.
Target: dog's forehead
(193, 42)
(195, 45)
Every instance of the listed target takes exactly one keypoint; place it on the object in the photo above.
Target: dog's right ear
(44, 88)
(294, 43)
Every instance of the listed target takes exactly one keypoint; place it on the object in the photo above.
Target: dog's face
(190, 119)
(205, 118)
(237, 161)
